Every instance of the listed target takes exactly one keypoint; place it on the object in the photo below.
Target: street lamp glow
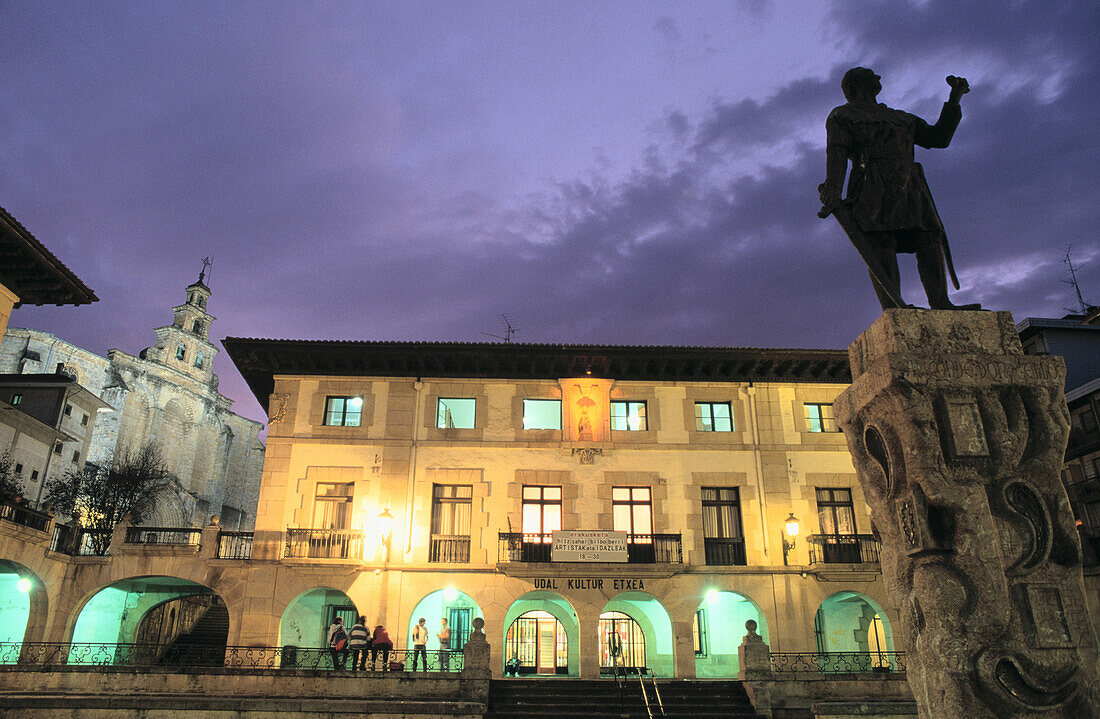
(385, 524)
(450, 593)
(24, 585)
(712, 595)
(792, 525)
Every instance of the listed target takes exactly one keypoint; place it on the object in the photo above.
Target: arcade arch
(22, 608)
(642, 628)
(717, 631)
(853, 623)
(541, 635)
(458, 608)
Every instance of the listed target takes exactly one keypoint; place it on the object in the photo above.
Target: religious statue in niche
(888, 208)
(584, 420)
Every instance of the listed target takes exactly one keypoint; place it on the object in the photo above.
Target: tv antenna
(509, 330)
(1083, 307)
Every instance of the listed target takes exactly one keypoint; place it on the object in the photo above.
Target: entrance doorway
(622, 643)
(537, 641)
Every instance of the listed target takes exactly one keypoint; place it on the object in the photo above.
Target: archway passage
(22, 605)
(541, 636)
(536, 643)
(636, 625)
(458, 608)
(853, 633)
(717, 631)
(151, 620)
(303, 629)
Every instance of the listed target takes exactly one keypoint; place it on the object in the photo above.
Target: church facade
(167, 394)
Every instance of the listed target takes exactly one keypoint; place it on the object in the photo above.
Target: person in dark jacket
(381, 643)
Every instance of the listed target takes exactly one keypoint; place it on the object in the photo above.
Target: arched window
(199, 360)
(197, 327)
(181, 351)
(621, 641)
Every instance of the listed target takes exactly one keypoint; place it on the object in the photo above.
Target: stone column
(958, 439)
(754, 659)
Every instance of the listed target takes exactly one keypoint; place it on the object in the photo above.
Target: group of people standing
(359, 642)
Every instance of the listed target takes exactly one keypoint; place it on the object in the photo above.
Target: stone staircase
(579, 698)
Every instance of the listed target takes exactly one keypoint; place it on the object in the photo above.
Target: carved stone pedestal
(958, 439)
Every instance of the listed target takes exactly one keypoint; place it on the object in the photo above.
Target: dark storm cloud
(348, 195)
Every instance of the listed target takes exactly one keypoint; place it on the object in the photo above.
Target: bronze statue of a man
(888, 208)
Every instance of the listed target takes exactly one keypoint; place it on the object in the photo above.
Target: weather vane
(206, 263)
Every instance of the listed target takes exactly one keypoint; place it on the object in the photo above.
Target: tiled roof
(32, 272)
(259, 360)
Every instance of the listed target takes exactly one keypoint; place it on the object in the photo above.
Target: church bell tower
(185, 344)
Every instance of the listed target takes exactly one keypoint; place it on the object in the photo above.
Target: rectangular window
(18, 469)
(542, 414)
(628, 416)
(1090, 469)
(632, 510)
(57, 448)
(332, 505)
(343, 411)
(699, 633)
(455, 413)
(84, 420)
(76, 457)
(723, 541)
(835, 513)
(452, 508)
(1084, 419)
(34, 475)
(819, 417)
(68, 410)
(541, 511)
(16, 399)
(713, 417)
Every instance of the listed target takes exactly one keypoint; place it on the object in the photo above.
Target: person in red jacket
(381, 643)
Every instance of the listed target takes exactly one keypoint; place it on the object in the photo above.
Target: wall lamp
(789, 535)
(385, 529)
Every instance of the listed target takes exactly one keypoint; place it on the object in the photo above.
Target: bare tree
(98, 498)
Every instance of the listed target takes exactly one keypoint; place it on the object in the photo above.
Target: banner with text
(588, 546)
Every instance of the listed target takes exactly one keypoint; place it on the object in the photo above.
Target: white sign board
(588, 546)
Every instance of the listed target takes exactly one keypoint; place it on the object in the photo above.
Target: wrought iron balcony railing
(640, 548)
(60, 655)
(80, 542)
(453, 549)
(843, 549)
(324, 543)
(235, 545)
(724, 552)
(18, 514)
(839, 662)
(164, 536)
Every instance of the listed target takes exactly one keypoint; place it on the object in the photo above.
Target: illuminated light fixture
(450, 594)
(24, 585)
(712, 595)
(791, 523)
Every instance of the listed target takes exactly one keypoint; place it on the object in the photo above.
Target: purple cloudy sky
(628, 172)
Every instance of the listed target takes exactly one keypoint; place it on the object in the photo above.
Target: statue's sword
(848, 223)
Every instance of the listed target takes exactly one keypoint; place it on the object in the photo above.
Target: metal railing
(235, 545)
(60, 654)
(724, 552)
(80, 542)
(171, 536)
(839, 662)
(843, 549)
(453, 549)
(18, 514)
(324, 543)
(640, 548)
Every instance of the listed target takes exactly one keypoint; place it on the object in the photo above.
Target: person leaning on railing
(381, 643)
